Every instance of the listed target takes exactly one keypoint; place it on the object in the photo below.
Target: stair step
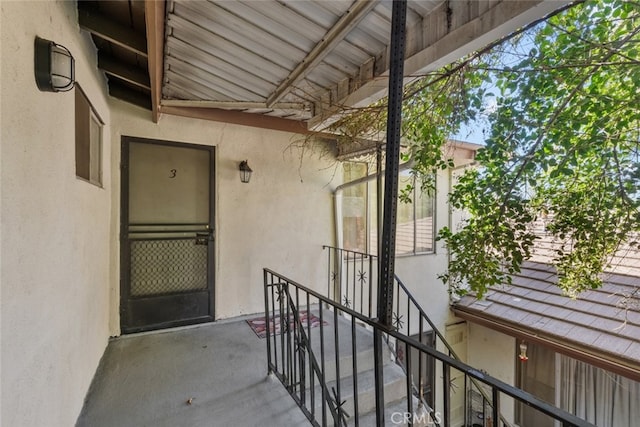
(364, 347)
(396, 415)
(394, 390)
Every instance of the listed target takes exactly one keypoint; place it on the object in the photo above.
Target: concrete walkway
(221, 368)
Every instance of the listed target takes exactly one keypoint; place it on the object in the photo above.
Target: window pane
(82, 109)
(405, 219)
(95, 150)
(354, 208)
(424, 207)
(88, 129)
(373, 218)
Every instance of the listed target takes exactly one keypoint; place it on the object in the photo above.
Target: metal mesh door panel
(167, 266)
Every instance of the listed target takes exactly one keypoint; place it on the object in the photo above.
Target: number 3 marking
(173, 173)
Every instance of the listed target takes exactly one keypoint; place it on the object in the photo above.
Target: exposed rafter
(236, 105)
(231, 68)
(154, 15)
(240, 118)
(91, 20)
(335, 35)
(451, 31)
(124, 93)
(132, 75)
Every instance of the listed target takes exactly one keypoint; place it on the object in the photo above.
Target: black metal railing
(352, 280)
(318, 348)
(290, 356)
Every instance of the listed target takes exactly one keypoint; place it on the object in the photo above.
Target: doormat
(259, 325)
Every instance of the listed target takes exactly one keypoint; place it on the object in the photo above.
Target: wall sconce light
(245, 171)
(54, 66)
(523, 352)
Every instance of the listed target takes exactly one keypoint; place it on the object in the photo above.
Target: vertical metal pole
(387, 246)
(267, 320)
(392, 161)
(495, 415)
(374, 287)
(446, 394)
(378, 365)
(379, 202)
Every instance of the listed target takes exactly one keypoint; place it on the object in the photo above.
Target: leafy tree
(560, 103)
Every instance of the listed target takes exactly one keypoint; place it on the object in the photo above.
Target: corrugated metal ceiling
(295, 64)
(244, 55)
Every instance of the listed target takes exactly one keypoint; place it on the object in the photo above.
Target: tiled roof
(601, 326)
(625, 261)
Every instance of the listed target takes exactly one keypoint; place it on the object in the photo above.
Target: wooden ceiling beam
(92, 20)
(335, 35)
(449, 32)
(126, 72)
(235, 105)
(154, 16)
(122, 92)
(240, 118)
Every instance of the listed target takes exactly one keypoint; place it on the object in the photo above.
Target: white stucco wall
(55, 227)
(494, 353)
(279, 220)
(420, 273)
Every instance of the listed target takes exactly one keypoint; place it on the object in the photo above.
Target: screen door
(167, 239)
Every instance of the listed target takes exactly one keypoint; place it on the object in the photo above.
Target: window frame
(416, 189)
(370, 210)
(89, 140)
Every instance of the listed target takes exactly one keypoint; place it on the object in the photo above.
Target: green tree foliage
(562, 143)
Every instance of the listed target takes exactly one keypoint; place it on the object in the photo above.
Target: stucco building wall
(60, 247)
(55, 228)
(279, 220)
(494, 353)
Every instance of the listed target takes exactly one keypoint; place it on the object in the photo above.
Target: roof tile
(594, 320)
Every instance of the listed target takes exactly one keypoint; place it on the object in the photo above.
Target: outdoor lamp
(523, 352)
(54, 66)
(245, 171)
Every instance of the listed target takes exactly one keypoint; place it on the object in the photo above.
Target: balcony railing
(351, 278)
(315, 347)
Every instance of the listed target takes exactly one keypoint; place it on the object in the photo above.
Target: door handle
(203, 238)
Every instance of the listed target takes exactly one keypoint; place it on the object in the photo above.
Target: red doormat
(259, 325)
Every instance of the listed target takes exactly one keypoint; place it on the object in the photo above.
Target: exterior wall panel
(55, 228)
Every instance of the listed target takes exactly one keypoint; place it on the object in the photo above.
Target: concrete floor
(148, 379)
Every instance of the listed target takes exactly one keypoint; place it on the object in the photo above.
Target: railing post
(446, 390)
(386, 260)
(394, 120)
(496, 406)
(378, 364)
(266, 319)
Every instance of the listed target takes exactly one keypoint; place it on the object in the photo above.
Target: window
(414, 228)
(354, 208)
(591, 393)
(536, 376)
(88, 140)
(598, 396)
(423, 367)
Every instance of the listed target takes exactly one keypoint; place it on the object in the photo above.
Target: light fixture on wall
(54, 66)
(245, 171)
(523, 352)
